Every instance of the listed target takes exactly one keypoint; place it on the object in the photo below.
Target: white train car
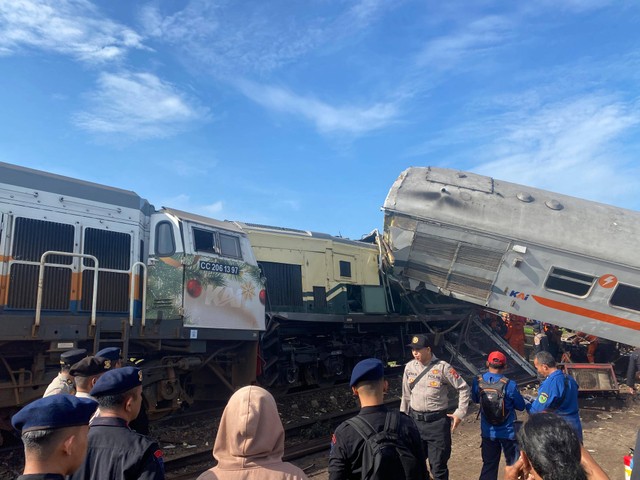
(530, 252)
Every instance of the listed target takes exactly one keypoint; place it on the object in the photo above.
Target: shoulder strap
(417, 379)
(391, 422)
(360, 425)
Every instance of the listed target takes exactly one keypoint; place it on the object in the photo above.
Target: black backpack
(492, 400)
(385, 455)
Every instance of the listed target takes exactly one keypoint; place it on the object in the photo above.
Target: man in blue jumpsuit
(115, 451)
(502, 436)
(558, 393)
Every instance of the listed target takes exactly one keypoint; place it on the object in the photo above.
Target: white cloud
(69, 27)
(137, 105)
(483, 34)
(571, 147)
(231, 38)
(327, 118)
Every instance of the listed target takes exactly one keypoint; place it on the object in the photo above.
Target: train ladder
(504, 345)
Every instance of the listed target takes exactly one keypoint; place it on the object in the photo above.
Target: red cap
(497, 358)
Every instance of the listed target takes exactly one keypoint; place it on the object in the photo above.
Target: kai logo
(519, 295)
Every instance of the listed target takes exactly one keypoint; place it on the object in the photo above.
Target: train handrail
(144, 294)
(94, 300)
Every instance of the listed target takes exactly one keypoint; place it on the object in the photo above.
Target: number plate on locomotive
(219, 267)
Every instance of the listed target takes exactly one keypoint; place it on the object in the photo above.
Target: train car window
(229, 246)
(626, 296)
(345, 269)
(165, 241)
(204, 241)
(568, 282)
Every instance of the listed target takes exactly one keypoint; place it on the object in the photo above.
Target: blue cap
(54, 411)
(72, 356)
(112, 353)
(90, 366)
(117, 381)
(368, 369)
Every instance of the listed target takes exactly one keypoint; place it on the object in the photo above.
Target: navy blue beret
(112, 353)
(90, 366)
(116, 381)
(54, 411)
(368, 369)
(72, 356)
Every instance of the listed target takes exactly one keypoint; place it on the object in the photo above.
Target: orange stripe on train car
(4, 289)
(76, 287)
(584, 312)
(5, 258)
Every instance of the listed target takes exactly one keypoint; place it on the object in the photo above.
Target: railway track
(191, 465)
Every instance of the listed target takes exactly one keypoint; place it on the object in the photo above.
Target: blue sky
(303, 113)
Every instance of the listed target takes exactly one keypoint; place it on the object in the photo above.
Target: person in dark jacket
(633, 370)
(115, 451)
(54, 432)
(498, 437)
(347, 445)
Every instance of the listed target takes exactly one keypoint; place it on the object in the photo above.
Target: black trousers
(491, 450)
(436, 441)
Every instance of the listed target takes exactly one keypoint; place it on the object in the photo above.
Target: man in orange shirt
(592, 341)
(515, 332)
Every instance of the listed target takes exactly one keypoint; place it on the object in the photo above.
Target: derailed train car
(328, 307)
(517, 249)
(85, 265)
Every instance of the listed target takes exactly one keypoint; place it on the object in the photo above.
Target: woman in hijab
(250, 440)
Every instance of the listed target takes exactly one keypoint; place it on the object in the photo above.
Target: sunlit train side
(526, 251)
(180, 293)
(327, 306)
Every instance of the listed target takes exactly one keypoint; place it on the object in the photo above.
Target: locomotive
(203, 306)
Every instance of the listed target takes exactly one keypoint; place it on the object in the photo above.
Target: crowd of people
(81, 428)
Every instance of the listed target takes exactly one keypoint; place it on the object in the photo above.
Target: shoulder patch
(453, 373)
(543, 398)
(333, 439)
(157, 453)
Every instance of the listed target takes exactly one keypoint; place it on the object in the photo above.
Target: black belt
(427, 416)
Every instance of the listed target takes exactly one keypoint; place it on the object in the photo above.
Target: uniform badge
(415, 340)
(107, 364)
(543, 398)
(453, 373)
(435, 371)
(434, 384)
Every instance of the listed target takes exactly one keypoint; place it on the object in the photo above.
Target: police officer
(54, 433)
(64, 382)
(497, 437)
(558, 393)
(116, 451)
(632, 370)
(87, 372)
(425, 397)
(111, 353)
(345, 460)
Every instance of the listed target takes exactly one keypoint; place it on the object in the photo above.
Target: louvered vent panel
(479, 257)
(434, 246)
(23, 287)
(113, 291)
(424, 273)
(471, 286)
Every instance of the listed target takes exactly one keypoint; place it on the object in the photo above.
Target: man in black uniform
(347, 445)
(54, 433)
(116, 451)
